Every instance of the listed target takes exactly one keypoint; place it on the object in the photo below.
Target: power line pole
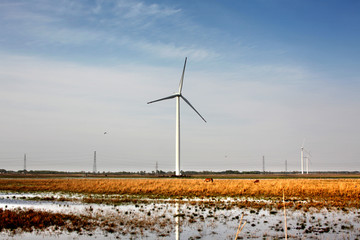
(285, 166)
(263, 164)
(156, 168)
(94, 166)
(24, 162)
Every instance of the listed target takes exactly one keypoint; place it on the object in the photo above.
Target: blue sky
(265, 74)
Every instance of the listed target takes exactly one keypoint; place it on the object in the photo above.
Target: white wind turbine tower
(178, 95)
(304, 156)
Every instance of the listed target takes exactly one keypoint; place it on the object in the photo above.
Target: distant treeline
(169, 173)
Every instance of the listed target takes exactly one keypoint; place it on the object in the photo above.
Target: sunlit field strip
(346, 189)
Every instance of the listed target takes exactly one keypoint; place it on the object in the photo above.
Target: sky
(268, 76)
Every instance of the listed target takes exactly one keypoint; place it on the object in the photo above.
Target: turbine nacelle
(178, 94)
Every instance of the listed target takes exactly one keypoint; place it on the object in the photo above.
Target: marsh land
(169, 208)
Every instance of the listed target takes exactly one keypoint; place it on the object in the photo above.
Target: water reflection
(213, 221)
(177, 222)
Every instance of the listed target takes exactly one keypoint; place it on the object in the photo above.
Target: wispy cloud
(134, 9)
(173, 51)
(127, 25)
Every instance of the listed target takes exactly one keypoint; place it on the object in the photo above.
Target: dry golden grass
(346, 189)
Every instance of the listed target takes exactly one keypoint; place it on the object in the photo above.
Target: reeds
(285, 222)
(240, 228)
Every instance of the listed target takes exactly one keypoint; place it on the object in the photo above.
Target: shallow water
(170, 220)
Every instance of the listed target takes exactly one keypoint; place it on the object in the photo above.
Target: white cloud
(120, 28)
(134, 9)
(172, 51)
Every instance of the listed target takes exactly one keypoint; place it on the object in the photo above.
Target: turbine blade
(182, 77)
(165, 98)
(192, 107)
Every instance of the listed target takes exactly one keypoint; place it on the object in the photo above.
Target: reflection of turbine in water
(177, 222)
(177, 217)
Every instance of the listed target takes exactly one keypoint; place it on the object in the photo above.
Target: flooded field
(78, 209)
(175, 219)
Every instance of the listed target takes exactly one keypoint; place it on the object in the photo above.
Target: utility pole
(94, 166)
(285, 166)
(24, 162)
(263, 164)
(156, 168)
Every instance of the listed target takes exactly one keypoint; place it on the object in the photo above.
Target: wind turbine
(302, 157)
(178, 95)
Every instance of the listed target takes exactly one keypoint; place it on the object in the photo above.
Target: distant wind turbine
(178, 95)
(304, 155)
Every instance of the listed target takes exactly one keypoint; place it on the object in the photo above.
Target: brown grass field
(30, 220)
(301, 194)
(340, 190)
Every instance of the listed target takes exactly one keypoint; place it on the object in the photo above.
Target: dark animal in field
(256, 181)
(208, 180)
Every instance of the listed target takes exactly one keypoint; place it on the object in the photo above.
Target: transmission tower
(263, 164)
(94, 166)
(24, 162)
